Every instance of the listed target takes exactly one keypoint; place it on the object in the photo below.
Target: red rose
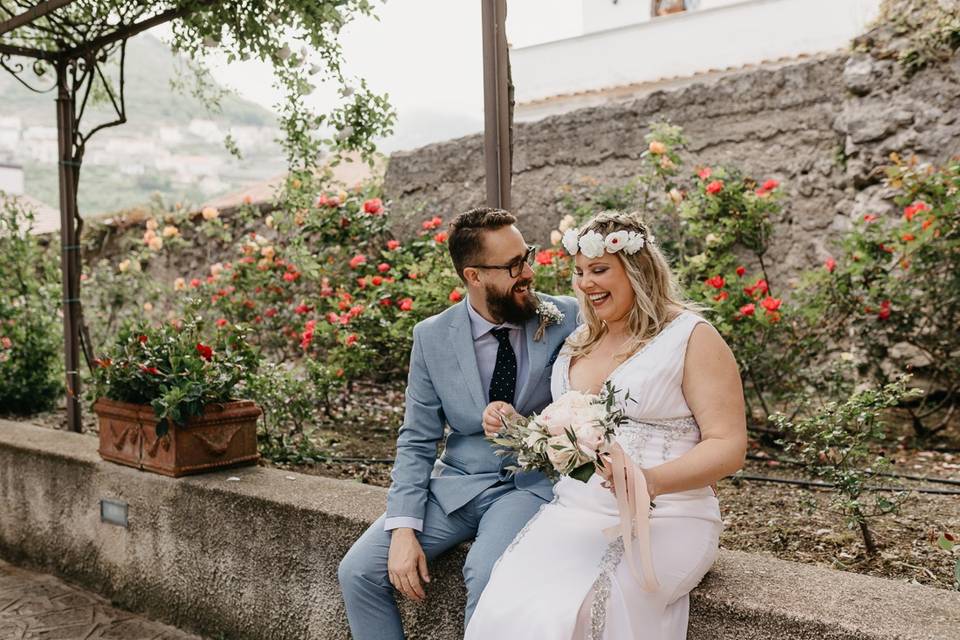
(884, 312)
(869, 217)
(290, 276)
(358, 260)
(205, 352)
(715, 187)
(705, 173)
(362, 283)
(545, 257)
(333, 318)
(151, 370)
(305, 339)
(771, 304)
(386, 302)
(723, 295)
(351, 339)
(303, 308)
(373, 206)
(222, 322)
(433, 223)
(716, 282)
(383, 267)
(926, 223)
(376, 281)
(440, 237)
(909, 237)
(770, 185)
(760, 287)
(143, 339)
(830, 264)
(195, 282)
(455, 296)
(747, 309)
(392, 244)
(741, 271)
(270, 312)
(356, 310)
(406, 304)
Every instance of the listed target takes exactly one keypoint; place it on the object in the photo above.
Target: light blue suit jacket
(444, 389)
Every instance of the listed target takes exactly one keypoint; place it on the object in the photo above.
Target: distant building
(46, 218)
(11, 177)
(629, 43)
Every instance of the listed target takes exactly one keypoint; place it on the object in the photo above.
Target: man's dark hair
(465, 239)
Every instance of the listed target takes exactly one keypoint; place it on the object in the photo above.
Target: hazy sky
(427, 54)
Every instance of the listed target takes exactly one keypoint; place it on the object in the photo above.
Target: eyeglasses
(515, 268)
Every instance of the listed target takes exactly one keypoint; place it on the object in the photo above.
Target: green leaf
(583, 472)
(946, 545)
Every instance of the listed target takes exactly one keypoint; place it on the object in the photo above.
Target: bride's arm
(712, 389)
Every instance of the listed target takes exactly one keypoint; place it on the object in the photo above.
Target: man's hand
(492, 414)
(407, 564)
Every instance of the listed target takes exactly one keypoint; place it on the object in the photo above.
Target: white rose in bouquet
(567, 437)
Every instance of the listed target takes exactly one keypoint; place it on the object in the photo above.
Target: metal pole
(70, 249)
(496, 101)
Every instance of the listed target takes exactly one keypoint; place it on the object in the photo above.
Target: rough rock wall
(823, 127)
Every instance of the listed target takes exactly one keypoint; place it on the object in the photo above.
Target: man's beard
(504, 306)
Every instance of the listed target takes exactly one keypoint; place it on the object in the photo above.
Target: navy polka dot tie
(503, 384)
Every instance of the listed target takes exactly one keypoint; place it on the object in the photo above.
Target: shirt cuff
(401, 522)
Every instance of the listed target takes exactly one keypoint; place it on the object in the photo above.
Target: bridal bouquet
(567, 438)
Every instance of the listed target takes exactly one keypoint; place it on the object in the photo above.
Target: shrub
(31, 365)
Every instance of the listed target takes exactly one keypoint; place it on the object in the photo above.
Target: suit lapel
(461, 337)
(538, 353)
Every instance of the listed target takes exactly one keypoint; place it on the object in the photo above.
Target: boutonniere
(549, 315)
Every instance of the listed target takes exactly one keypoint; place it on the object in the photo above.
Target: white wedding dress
(562, 557)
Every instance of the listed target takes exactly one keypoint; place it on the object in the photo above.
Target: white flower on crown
(616, 240)
(570, 239)
(635, 243)
(592, 244)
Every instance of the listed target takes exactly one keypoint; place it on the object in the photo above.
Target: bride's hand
(606, 472)
(492, 414)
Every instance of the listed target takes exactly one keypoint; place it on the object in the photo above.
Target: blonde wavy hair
(658, 299)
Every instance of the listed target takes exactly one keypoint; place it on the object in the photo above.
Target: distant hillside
(150, 67)
(171, 144)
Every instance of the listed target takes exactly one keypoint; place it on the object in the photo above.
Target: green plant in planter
(175, 368)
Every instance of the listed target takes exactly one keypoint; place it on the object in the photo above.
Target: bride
(563, 577)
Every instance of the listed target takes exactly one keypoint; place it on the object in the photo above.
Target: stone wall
(824, 127)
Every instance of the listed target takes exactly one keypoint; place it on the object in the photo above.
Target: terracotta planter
(224, 436)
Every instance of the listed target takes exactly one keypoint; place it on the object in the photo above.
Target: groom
(481, 350)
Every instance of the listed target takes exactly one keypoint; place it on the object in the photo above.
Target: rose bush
(31, 362)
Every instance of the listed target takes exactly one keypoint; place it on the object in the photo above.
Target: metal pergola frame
(76, 69)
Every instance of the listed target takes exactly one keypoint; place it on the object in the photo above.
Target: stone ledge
(257, 558)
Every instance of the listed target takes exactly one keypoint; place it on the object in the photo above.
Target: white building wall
(727, 33)
(11, 178)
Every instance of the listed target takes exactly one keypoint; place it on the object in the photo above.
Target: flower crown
(592, 244)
